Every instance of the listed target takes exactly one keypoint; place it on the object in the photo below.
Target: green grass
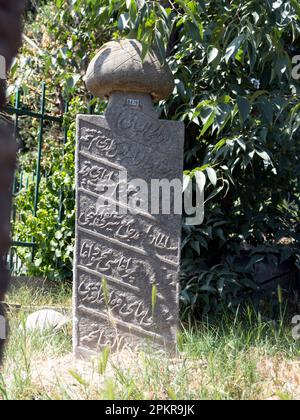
(57, 296)
(226, 358)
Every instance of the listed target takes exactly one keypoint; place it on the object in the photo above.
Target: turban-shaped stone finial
(118, 67)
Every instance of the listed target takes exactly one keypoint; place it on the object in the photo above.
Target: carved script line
(102, 161)
(136, 212)
(113, 241)
(116, 321)
(129, 247)
(111, 279)
(87, 352)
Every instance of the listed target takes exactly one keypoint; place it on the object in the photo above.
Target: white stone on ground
(46, 319)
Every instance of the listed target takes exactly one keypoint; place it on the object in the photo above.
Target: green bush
(232, 62)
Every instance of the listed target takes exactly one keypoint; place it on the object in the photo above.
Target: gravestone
(127, 255)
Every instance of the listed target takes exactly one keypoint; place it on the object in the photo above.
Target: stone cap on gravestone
(118, 67)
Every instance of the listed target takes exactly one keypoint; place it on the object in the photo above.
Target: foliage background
(232, 61)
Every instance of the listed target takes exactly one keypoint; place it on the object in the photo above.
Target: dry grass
(219, 360)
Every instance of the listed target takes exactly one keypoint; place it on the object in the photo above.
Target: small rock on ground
(46, 319)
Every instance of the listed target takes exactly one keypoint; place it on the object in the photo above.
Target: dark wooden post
(10, 41)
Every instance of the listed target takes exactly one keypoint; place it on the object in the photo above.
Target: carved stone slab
(126, 288)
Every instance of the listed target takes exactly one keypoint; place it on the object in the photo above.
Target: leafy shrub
(232, 62)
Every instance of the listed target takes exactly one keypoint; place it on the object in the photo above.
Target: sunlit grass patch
(240, 357)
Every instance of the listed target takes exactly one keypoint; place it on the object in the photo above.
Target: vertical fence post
(91, 106)
(39, 157)
(17, 106)
(40, 148)
(61, 195)
(15, 183)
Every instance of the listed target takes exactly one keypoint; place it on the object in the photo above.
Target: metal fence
(22, 179)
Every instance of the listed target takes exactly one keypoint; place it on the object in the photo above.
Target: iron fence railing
(22, 179)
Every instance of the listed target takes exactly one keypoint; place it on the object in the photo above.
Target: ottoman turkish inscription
(126, 286)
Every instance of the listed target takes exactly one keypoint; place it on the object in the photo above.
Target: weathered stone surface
(126, 288)
(118, 67)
